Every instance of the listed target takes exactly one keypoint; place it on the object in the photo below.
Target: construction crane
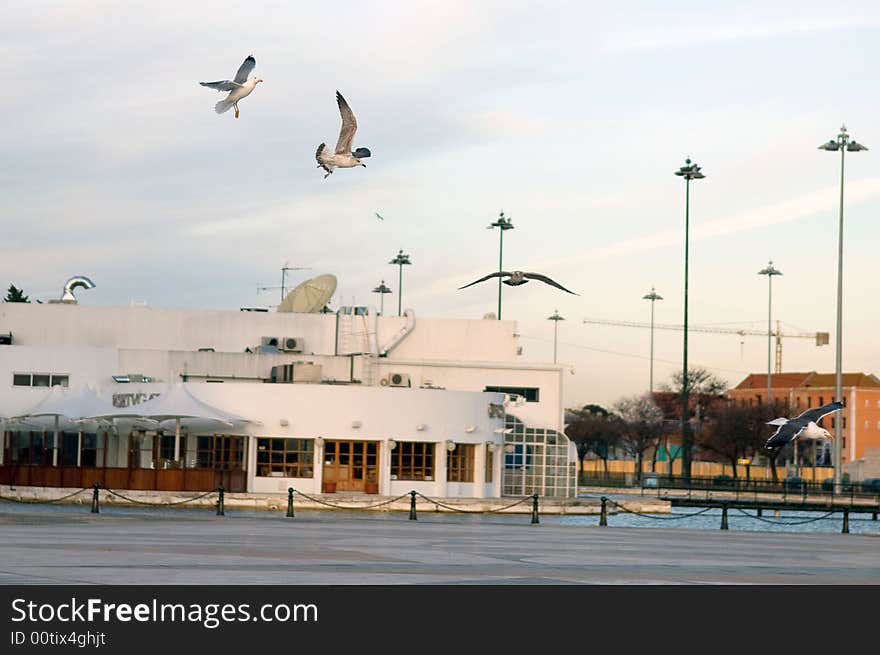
(820, 337)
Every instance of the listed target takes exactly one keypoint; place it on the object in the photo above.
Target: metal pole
(769, 334)
(399, 288)
(95, 506)
(685, 432)
(603, 516)
(555, 330)
(651, 381)
(412, 506)
(838, 379)
(290, 502)
(500, 267)
(535, 508)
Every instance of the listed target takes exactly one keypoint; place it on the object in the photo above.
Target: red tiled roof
(811, 379)
(777, 380)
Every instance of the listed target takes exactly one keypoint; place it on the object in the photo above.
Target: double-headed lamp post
(503, 224)
(382, 290)
(769, 271)
(401, 260)
(689, 171)
(653, 296)
(555, 318)
(844, 144)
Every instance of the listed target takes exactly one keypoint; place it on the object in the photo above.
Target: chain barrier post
(874, 516)
(724, 516)
(845, 521)
(603, 516)
(290, 502)
(760, 512)
(535, 508)
(95, 508)
(412, 506)
(221, 510)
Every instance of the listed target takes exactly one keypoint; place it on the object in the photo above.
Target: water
(680, 518)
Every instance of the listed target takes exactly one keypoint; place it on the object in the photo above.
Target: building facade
(798, 392)
(345, 401)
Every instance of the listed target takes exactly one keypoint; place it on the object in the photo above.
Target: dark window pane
(21, 379)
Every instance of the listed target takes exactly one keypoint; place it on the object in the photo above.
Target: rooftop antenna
(284, 270)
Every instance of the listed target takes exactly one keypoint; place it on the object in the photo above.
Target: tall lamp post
(844, 144)
(555, 318)
(689, 172)
(653, 296)
(769, 271)
(503, 224)
(382, 290)
(401, 260)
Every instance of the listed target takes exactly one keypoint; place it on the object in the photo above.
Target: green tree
(15, 295)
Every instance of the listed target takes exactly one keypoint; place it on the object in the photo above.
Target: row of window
(218, 452)
(40, 380)
(410, 460)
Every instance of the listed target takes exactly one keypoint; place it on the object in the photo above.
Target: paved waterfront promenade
(69, 545)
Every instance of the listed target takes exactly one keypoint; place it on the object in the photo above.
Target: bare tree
(592, 430)
(642, 426)
(736, 431)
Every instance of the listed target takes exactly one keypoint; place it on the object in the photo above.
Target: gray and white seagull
(342, 156)
(805, 426)
(238, 87)
(515, 278)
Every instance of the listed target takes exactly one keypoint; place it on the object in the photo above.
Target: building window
(797, 401)
(40, 380)
(490, 465)
(821, 398)
(285, 458)
(809, 402)
(219, 452)
(412, 460)
(460, 463)
(531, 394)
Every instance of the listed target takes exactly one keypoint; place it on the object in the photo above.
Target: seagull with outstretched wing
(806, 426)
(238, 87)
(343, 156)
(516, 278)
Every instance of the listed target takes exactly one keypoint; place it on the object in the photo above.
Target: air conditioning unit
(291, 344)
(398, 380)
(282, 373)
(270, 341)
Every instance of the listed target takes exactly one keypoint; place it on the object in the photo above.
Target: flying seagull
(379, 216)
(239, 87)
(805, 425)
(343, 156)
(518, 277)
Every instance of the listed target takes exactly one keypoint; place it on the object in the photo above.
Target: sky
(570, 117)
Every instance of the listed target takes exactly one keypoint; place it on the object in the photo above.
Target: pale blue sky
(569, 116)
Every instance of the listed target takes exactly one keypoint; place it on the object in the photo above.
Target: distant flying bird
(379, 216)
(343, 156)
(518, 277)
(805, 425)
(239, 87)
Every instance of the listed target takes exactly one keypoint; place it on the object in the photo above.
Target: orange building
(860, 429)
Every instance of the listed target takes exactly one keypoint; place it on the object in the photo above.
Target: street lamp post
(555, 318)
(382, 290)
(401, 260)
(844, 144)
(689, 172)
(503, 224)
(769, 271)
(653, 296)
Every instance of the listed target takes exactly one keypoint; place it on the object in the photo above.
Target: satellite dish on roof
(311, 296)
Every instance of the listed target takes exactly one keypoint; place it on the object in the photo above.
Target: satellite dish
(311, 296)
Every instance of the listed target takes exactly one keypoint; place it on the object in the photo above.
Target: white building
(376, 404)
